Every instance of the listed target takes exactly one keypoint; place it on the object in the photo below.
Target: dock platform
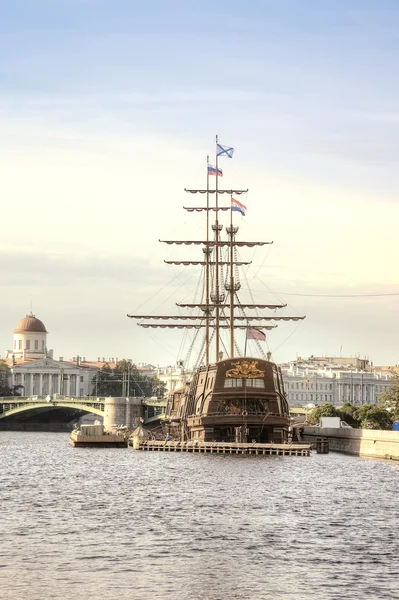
(224, 448)
(105, 440)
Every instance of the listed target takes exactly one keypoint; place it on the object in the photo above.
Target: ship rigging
(238, 397)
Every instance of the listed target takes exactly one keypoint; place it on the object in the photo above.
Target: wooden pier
(224, 448)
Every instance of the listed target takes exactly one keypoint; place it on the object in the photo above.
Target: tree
(324, 410)
(390, 399)
(349, 413)
(125, 379)
(372, 416)
(5, 375)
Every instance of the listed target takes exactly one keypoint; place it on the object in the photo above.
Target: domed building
(34, 369)
(30, 338)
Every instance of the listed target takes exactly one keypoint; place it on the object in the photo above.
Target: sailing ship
(239, 398)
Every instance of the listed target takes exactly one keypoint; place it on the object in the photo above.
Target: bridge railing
(10, 403)
(53, 398)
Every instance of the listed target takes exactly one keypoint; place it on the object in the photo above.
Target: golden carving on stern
(245, 369)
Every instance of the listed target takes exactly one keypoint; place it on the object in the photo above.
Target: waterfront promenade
(374, 443)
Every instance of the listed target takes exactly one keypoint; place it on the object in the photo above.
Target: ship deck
(225, 448)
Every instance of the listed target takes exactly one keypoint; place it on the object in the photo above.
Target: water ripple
(110, 523)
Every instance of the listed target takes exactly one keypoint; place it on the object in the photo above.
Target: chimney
(61, 358)
(98, 359)
(74, 359)
(84, 359)
(103, 358)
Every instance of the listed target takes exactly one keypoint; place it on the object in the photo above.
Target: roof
(30, 323)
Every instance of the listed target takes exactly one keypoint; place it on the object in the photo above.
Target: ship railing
(241, 414)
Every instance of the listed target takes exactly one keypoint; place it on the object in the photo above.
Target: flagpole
(231, 283)
(217, 311)
(207, 250)
(246, 338)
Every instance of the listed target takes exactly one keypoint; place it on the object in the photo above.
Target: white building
(333, 381)
(35, 370)
(173, 376)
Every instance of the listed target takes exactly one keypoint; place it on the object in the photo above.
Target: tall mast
(212, 317)
(231, 284)
(207, 251)
(217, 296)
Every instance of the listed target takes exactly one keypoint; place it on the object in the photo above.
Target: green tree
(5, 375)
(324, 410)
(390, 399)
(372, 416)
(126, 379)
(349, 413)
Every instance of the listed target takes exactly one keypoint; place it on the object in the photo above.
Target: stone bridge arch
(53, 416)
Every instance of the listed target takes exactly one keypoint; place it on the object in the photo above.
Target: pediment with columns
(45, 363)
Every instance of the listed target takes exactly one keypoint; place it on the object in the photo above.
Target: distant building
(173, 376)
(34, 369)
(333, 380)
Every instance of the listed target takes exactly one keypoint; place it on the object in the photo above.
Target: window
(81, 378)
(297, 385)
(36, 344)
(233, 382)
(301, 386)
(19, 344)
(42, 344)
(28, 344)
(258, 383)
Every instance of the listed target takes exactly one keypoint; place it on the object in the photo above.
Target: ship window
(230, 382)
(258, 383)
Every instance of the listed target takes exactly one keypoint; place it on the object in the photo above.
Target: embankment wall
(361, 442)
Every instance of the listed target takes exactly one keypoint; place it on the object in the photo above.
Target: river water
(102, 524)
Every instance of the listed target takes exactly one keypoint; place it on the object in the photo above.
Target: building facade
(36, 372)
(334, 381)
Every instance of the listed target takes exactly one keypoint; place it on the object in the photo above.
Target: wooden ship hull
(240, 400)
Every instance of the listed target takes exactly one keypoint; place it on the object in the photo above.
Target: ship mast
(217, 295)
(213, 304)
(232, 291)
(207, 250)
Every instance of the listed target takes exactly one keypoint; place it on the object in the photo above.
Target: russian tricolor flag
(212, 171)
(236, 205)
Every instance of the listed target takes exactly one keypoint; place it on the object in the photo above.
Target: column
(40, 384)
(50, 384)
(22, 390)
(67, 386)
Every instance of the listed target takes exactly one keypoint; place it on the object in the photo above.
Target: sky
(108, 111)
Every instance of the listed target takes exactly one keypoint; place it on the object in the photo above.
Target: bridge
(66, 409)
